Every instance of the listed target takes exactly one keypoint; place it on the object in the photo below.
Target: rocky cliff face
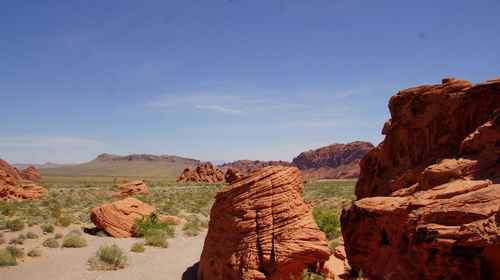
(429, 194)
(261, 228)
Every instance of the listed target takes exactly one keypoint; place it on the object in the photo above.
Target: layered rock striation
(205, 172)
(261, 228)
(13, 189)
(429, 194)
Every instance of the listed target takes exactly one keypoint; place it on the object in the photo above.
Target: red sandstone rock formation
(120, 180)
(232, 175)
(31, 174)
(205, 172)
(429, 194)
(261, 228)
(11, 187)
(249, 166)
(336, 161)
(118, 218)
(133, 188)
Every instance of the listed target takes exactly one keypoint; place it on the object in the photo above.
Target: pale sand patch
(71, 263)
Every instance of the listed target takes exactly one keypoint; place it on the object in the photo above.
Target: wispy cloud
(219, 108)
(59, 142)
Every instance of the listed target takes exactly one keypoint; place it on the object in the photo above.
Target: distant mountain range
(331, 162)
(46, 165)
(136, 165)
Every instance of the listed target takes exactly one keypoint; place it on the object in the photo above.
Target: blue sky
(223, 80)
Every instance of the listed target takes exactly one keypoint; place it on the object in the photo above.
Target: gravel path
(175, 262)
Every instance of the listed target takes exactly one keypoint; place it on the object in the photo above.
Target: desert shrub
(327, 219)
(76, 231)
(138, 247)
(19, 239)
(49, 228)
(101, 233)
(73, 240)
(2, 241)
(58, 235)
(65, 220)
(35, 252)
(51, 243)
(6, 259)
(15, 225)
(143, 226)
(108, 258)
(31, 235)
(35, 221)
(16, 252)
(192, 227)
(157, 238)
(332, 244)
(307, 275)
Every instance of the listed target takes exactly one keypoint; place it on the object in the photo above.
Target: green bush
(6, 259)
(35, 252)
(16, 252)
(65, 220)
(157, 238)
(51, 243)
(31, 235)
(138, 247)
(192, 227)
(108, 258)
(143, 226)
(15, 225)
(18, 240)
(73, 240)
(49, 228)
(327, 219)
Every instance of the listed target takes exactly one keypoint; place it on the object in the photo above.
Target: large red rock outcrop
(31, 174)
(118, 218)
(261, 228)
(336, 161)
(133, 188)
(11, 187)
(205, 172)
(429, 194)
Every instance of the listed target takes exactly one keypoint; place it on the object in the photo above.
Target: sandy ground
(175, 262)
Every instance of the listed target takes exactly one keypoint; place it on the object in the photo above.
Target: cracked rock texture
(429, 194)
(261, 228)
(31, 174)
(133, 188)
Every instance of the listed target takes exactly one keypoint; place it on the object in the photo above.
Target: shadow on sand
(190, 273)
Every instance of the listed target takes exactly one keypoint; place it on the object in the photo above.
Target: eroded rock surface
(232, 175)
(31, 174)
(261, 228)
(205, 172)
(118, 218)
(133, 188)
(429, 194)
(11, 187)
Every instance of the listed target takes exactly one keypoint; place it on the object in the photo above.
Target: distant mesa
(429, 194)
(135, 165)
(336, 161)
(13, 188)
(261, 228)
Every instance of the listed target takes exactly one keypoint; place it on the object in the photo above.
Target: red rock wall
(429, 194)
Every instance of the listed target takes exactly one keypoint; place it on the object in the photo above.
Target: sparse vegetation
(51, 243)
(144, 226)
(74, 240)
(6, 258)
(15, 252)
(138, 247)
(35, 252)
(327, 219)
(157, 238)
(48, 228)
(193, 226)
(65, 220)
(19, 239)
(15, 225)
(31, 235)
(108, 258)
(58, 235)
